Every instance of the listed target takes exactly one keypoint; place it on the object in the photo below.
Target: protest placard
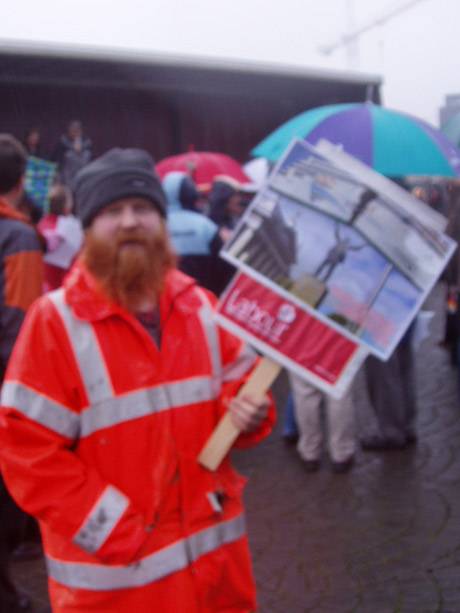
(39, 177)
(347, 246)
(334, 262)
(69, 230)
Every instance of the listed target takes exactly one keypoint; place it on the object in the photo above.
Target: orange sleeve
(23, 278)
(38, 453)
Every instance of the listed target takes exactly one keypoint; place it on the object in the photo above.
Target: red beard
(131, 274)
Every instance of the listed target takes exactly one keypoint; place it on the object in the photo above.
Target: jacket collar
(89, 303)
(8, 212)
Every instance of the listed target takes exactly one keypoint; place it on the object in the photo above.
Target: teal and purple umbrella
(392, 143)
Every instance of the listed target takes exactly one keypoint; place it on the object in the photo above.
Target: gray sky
(417, 52)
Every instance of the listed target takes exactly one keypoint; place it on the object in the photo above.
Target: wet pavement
(383, 538)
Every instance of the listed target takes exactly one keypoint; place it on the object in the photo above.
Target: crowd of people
(118, 374)
(199, 222)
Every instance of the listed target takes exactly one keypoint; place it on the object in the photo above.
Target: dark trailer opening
(165, 104)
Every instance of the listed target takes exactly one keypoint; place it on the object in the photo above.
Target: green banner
(39, 177)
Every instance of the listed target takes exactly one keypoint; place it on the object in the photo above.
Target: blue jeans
(290, 424)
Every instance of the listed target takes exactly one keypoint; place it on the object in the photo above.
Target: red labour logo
(257, 319)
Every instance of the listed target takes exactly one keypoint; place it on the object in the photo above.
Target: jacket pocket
(209, 496)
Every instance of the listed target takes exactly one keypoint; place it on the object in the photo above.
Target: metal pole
(352, 36)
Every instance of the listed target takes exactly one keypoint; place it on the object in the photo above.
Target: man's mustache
(137, 237)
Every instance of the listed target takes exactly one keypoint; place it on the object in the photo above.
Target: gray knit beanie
(119, 173)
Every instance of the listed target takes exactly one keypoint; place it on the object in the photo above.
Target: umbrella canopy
(392, 143)
(203, 166)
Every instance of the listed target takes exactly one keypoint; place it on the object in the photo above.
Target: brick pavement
(384, 538)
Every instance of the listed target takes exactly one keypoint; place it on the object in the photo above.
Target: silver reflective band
(157, 565)
(238, 368)
(86, 348)
(40, 409)
(140, 403)
(206, 315)
(101, 520)
(244, 360)
(212, 538)
(110, 412)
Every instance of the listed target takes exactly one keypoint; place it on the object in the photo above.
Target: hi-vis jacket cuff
(101, 520)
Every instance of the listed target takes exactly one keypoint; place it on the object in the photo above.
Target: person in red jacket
(115, 384)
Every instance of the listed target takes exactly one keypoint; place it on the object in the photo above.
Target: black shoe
(342, 467)
(311, 466)
(290, 439)
(376, 442)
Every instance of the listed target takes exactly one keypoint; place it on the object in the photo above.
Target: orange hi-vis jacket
(99, 436)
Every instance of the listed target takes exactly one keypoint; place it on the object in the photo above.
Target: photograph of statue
(336, 255)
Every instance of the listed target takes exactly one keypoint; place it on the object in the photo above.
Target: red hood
(90, 303)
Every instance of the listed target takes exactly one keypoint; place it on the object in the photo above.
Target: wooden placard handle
(218, 444)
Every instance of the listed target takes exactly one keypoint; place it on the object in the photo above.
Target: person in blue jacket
(194, 236)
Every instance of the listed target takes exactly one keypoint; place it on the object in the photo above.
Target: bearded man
(115, 384)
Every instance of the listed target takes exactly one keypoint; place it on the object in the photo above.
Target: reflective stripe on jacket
(100, 430)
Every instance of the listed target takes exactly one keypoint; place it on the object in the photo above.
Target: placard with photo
(343, 243)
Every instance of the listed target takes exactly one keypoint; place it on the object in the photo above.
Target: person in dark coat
(391, 388)
(21, 277)
(228, 200)
(72, 152)
(32, 142)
